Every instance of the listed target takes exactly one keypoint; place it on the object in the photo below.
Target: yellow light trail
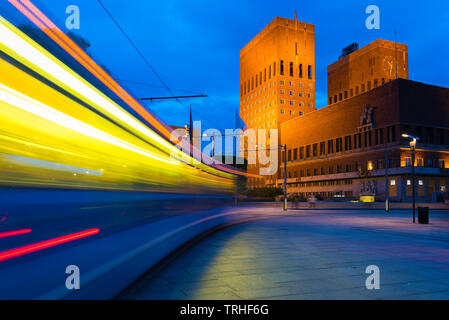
(44, 133)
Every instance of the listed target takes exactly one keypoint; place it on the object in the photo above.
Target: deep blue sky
(194, 45)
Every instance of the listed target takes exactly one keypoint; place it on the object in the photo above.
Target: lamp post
(285, 175)
(413, 141)
(387, 184)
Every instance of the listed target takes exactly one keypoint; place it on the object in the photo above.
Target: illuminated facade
(361, 70)
(277, 78)
(339, 151)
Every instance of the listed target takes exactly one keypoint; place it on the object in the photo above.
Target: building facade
(277, 78)
(361, 70)
(340, 151)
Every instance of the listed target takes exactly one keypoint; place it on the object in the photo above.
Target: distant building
(361, 70)
(339, 151)
(277, 78)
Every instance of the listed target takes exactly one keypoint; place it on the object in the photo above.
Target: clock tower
(361, 70)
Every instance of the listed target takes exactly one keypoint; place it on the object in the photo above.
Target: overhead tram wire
(147, 62)
(156, 86)
(136, 48)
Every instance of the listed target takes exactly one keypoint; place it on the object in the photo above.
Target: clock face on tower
(388, 65)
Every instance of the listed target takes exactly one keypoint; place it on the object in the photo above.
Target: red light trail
(20, 251)
(14, 233)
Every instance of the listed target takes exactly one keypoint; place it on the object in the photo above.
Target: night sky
(194, 45)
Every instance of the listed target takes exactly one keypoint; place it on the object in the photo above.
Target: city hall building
(340, 151)
(277, 79)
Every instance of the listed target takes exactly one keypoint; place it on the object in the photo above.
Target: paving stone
(322, 255)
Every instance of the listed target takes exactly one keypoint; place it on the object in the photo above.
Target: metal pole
(387, 184)
(285, 177)
(413, 180)
(396, 52)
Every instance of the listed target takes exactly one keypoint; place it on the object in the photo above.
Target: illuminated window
(409, 182)
(370, 165)
(420, 182)
(338, 145)
(419, 162)
(408, 162)
(392, 182)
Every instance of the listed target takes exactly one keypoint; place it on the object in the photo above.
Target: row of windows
(328, 183)
(272, 93)
(430, 163)
(292, 84)
(342, 144)
(356, 167)
(292, 93)
(324, 195)
(291, 112)
(300, 103)
(428, 135)
(267, 73)
(259, 109)
(351, 92)
(259, 92)
(300, 73)
(340, 168)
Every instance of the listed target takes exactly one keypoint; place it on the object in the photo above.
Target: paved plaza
(310, 254)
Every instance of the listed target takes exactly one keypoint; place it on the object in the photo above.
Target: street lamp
(285, 175)
(413, 141)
